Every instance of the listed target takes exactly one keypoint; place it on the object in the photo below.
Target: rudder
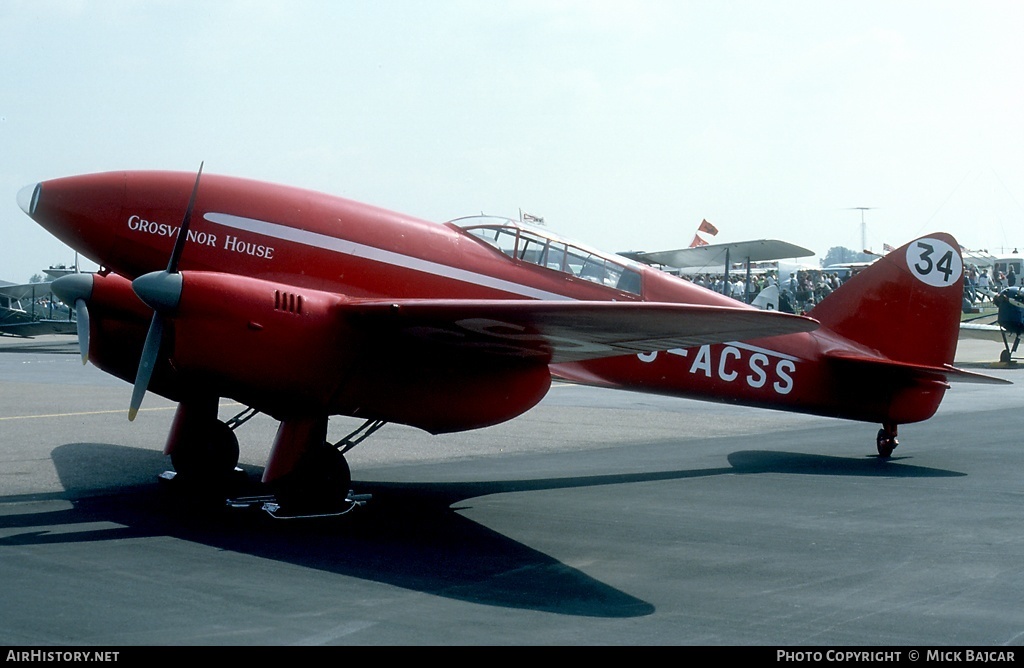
(906, 306)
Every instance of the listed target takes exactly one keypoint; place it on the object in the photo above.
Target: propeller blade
(82, 317)
(179, 243)
(160, 290)
(77, 289)
(150, 351)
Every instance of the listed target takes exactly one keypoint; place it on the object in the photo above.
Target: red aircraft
(301, 306)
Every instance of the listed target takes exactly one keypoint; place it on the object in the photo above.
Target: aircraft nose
(82, 211)
(28, 197)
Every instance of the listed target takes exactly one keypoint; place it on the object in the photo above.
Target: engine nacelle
(1010, 302)
(117, 320)
(291, 351)
(266, 344)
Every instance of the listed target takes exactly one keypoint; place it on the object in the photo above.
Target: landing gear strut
(886, 440)
(1006, 356)
(318, 483)
(203, 450)
(306, 475)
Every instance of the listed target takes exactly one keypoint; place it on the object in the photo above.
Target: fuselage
(128, 221)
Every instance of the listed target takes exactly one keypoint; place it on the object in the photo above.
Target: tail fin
(906, 306)
(768, 299)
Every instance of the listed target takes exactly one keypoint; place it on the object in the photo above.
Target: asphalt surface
(598, 518)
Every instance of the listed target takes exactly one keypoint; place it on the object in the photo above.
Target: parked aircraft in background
(767, 299)
(1009, 323)
(722, 258)
(30, 309)
(302, 306)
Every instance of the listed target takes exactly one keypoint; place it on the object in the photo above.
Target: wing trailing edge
(567, 331)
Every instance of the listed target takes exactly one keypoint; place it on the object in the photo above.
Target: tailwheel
(886, 440)
(319, 484)
(1006, 356)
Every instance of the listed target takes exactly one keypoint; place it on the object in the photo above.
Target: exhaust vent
(287, 301)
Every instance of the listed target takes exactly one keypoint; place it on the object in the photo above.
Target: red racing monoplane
(302, 305)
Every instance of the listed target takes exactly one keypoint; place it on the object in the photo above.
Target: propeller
(77, 289)
(161, 290)
(82, 317)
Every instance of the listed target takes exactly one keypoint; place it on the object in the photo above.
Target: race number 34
(934, 262)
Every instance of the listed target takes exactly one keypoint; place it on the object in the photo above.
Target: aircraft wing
(704, 256)
(38, 327)
(980, 331)
(564, 331)
(24, 290)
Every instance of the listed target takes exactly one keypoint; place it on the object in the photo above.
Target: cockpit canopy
(542, 248)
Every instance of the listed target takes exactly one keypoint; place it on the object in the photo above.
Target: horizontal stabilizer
(982, 332)
(565, 331)
(923, 372)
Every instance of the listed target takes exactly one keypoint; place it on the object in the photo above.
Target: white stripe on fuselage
(743, 346)
(344, 247)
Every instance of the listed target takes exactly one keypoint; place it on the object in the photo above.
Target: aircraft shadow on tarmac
(409, 535)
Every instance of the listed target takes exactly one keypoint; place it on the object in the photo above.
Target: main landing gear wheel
(208, 458)
(205, 463)
(319, 485)
(886, 440)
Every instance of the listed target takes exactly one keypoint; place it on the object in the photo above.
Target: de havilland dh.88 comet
(303, 306)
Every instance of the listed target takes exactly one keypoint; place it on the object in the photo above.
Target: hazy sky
(623, 124)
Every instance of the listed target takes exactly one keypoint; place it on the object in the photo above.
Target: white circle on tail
(934, 262)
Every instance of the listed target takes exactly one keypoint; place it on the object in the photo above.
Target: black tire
(212, 455)
(885, 443)
(319, 484)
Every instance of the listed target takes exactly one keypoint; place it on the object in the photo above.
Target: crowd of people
(803, 289)
(798, 293)
(980, 285)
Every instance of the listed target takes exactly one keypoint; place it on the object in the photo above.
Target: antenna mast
(863, 226)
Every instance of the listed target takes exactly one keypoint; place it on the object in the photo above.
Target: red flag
(886, 248)
(707, 227)
(697, 241)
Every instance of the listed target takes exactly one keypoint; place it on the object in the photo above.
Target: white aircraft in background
(31, 309)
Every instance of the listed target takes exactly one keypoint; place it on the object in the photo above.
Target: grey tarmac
(598, 518)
